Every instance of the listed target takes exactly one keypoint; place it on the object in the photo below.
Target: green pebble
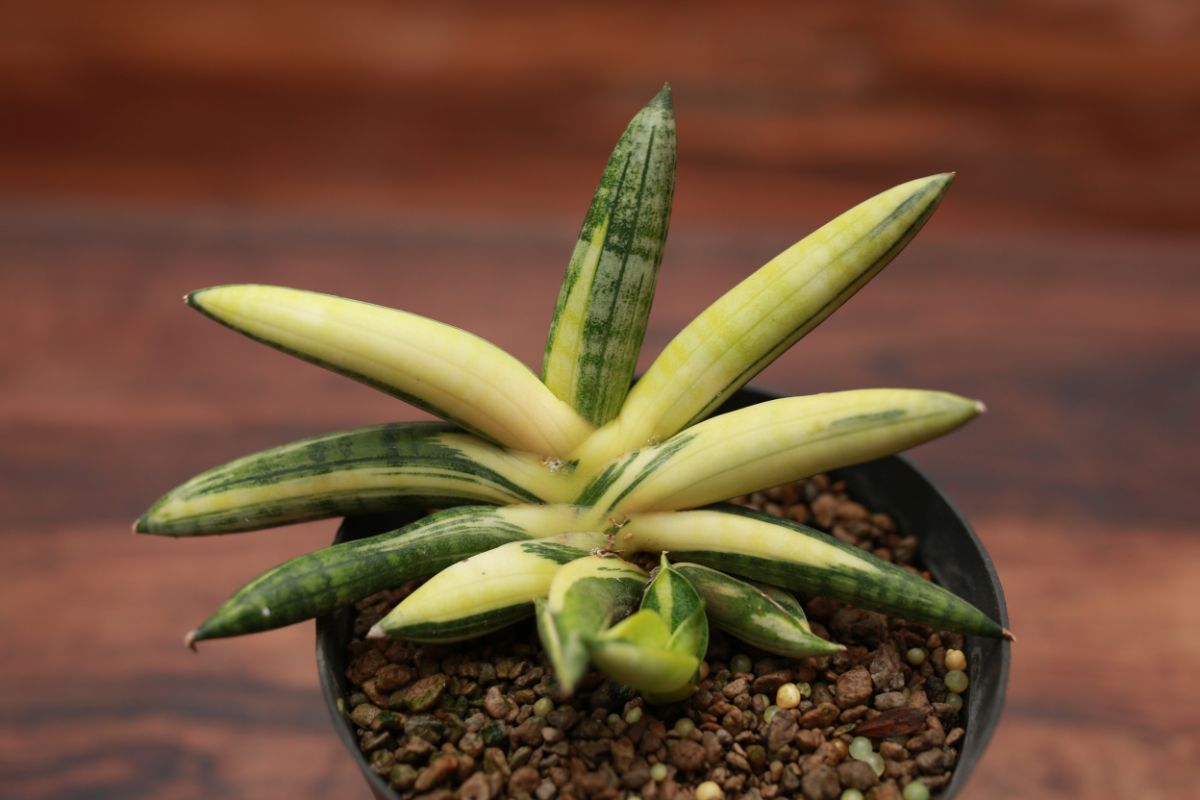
(543, 706)
(956, 681)
(769, 714)
(915, 656)
(658, 772)
(633, 715)
(875, 762)
(916, 791)
(613, 719)
(955, 701)
(684, 726)
(861, 748)
(851, 794)
(805, 689)
(740, 663)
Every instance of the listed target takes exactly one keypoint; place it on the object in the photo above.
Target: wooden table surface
(440, 161)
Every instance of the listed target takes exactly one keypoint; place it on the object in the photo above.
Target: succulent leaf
(586, 596)
(634, 652)
(361, 471)
(760, 318)
(784, 553)
(779, 441)
(442, 369)
(600, 317)
(658, 650)
(323, 580)
(765, 616)
(485, 592)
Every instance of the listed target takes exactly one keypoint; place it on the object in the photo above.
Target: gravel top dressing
(481, 719)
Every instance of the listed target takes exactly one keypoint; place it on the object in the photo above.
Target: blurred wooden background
(440, 159)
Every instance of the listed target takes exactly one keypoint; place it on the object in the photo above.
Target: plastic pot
(948, 548)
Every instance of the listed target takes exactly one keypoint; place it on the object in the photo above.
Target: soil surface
(469, 721)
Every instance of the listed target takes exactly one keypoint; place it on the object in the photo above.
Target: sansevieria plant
(547, 485)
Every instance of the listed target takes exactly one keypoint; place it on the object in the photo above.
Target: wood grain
(440, 161)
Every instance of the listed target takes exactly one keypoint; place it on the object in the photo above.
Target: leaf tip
(663, 98)
(376, 632)
(190, 640)
(193, 298)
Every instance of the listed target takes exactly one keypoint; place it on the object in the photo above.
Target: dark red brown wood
(440, 160)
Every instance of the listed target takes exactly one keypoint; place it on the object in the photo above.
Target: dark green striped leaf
(600, 318)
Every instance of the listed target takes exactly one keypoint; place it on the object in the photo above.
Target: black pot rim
(970, 574)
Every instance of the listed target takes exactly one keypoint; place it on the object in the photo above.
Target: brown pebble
(364, 715)
(824, 510)
(799, 513)
(893, 751)
(563, 717)
(821, 784)
(591, 784)
(930, 738)
(494, 760)
(885, 791)
(735, 688)
(365, 666)
(935, 782)
(890, 700)
(770, 682)
(854, 687)
(373, 740)
(623, 754)
(437, 772)
(848, 509)
(391, 677)
(546, 790)
(854, 714)
(685, 754)
(420, 696)
(381, 762)
(593, 751)
(900, 771)
(737, 761)
(856, 775)
(808, 740)
(414, 750)
(529, 732)
(931, 761)
(886, 669)
(371, 690)
(471, 743)
(524, 780)
(858, 624)
(402, 776)
(820, 716)
(495, 703)
(781, 729)
(635, 776)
